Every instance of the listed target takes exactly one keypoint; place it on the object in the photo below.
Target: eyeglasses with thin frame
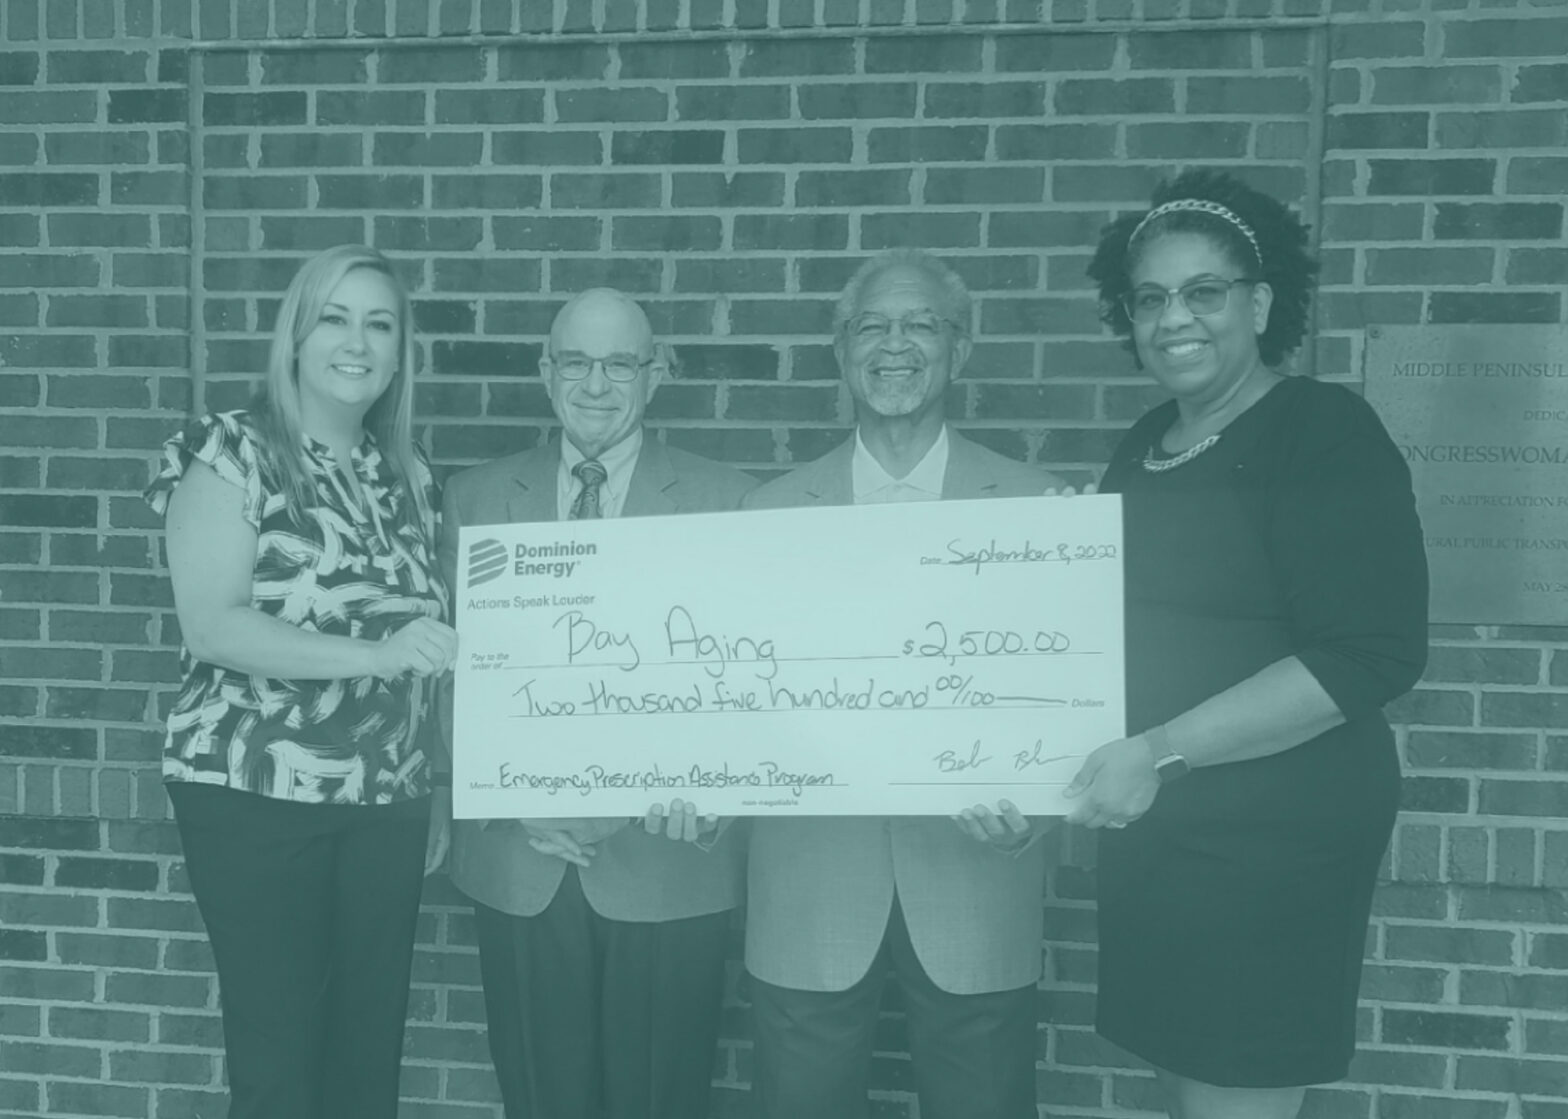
(1202, 297)
(918, 326)
(617, 367)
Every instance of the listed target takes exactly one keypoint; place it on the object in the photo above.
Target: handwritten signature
(949, 761)
(1035, 757)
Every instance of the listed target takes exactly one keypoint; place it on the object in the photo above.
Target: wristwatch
(1168, 764)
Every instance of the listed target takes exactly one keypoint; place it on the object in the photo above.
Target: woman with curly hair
(301, 544)
(1276, 599)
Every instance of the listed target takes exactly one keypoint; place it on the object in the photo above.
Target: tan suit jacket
(820, 889)
(634, 876)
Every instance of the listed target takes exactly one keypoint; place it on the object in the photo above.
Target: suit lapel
(966, 475)
(654, 487)
(532, 496)
(833, 483)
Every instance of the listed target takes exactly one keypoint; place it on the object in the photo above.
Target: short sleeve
(227, 444)
(1347, 544)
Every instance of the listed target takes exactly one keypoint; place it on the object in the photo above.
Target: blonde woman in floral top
(300, 541)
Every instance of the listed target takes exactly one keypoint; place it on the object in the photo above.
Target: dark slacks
(311, 911)
(972, 1055)
(592, 1017)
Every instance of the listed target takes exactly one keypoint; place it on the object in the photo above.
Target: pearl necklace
(1160, 465)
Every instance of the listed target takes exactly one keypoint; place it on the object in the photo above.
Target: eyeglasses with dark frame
(918, 326)
(1205, 296)
(617, 367)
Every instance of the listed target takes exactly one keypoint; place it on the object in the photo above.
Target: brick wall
(164, 166)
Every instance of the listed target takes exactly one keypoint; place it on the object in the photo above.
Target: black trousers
(311, 910)
(972, 1055)
(591, 1017)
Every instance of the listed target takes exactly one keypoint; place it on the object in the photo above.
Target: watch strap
(1168, 764)
(1159, 740)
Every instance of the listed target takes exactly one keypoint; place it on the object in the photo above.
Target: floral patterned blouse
(347, 570)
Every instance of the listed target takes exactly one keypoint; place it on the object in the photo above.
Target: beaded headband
(1202, 206)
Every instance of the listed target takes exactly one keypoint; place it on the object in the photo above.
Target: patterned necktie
(591, 473)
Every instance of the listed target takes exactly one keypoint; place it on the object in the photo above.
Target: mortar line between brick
(772, 34)
(196, 285)
(1317, 146)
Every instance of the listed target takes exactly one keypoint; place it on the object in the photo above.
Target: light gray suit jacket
(820, 890)
(634, 876)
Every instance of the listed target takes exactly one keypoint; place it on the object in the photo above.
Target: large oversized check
(881, 659)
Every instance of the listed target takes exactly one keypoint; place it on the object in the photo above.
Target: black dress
(1233, 915)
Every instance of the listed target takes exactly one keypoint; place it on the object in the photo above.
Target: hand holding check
(575, 839)
(571, 839)
(681, 822)
(1117, 784)
(1007, 829)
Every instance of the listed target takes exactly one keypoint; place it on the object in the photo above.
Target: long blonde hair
(390, 419)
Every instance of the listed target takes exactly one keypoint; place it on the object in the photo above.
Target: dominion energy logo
(486, 561)
(489, 559)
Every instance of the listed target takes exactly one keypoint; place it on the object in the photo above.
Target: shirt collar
(870, 479)
(618, 461)
(368, 452)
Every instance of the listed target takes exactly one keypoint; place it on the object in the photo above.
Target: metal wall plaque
(1481, 415)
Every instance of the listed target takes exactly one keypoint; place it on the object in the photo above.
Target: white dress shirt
(618, 461)
(873, 485)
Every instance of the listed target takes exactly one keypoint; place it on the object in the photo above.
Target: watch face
(1170, 768)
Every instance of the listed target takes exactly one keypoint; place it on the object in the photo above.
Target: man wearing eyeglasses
(601, 945)
(951, 907)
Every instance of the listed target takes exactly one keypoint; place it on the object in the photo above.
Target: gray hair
(955, 296)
